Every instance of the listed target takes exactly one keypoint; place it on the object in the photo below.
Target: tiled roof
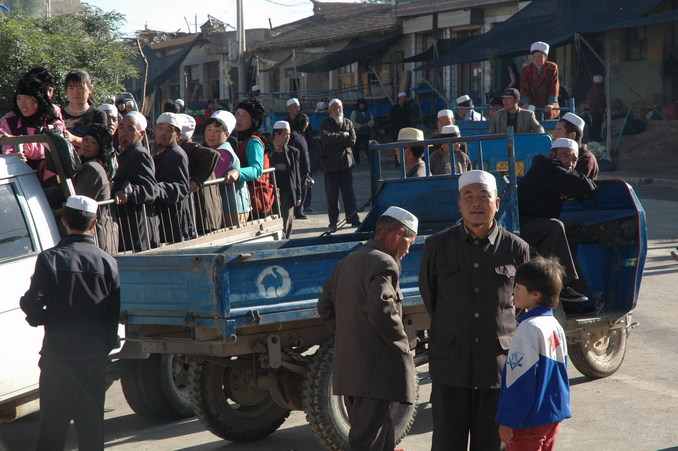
(331, 21)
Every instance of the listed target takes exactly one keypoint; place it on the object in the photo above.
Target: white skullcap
(404, 217)
(402, 94)
(107, 107)
(169, 118)
(476, 176)
(333, 101)
(574, 120)
(462, 99)
(449, 129)
(293, 101)
(129, 103)
(179, 102)
(187, 125)
(565, 143)
(445, 113)
(539, 47)
(281, 125)
(597, 78)
(410, 134)
(82, 203)
(256, 88)
(320, 105)
(226, 118)
(138, 118)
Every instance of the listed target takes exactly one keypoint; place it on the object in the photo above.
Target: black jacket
(75, 294)
(173, 202)
(547, 182)
(287, 172)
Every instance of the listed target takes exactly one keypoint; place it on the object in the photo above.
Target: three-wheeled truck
(243, 316)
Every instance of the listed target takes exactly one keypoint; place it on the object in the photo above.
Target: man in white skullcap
(443, 160)
(181, 104)
(171, 172)
(75, 295)
(400, 115)
(466, 281)
(465, 109)
(444, 117)
(362, 302)
(293, 109)
(112, 119)
(338, 137)
(285, 160)
(539, 84)
(572, 126)
(135, 187)
(541, 192)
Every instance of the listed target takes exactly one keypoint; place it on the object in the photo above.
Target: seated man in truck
(414, 165)
(549, 181)
(466, 111)
(441, 158)
(362, 302)
(572, 126)
(522, 121)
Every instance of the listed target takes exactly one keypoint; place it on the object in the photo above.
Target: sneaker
(570, 295)
(300, 217)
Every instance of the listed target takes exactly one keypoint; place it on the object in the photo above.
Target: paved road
(632, 410)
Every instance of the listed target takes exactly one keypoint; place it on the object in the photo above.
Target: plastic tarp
(552, 21)
(354, 51)
(440, 47)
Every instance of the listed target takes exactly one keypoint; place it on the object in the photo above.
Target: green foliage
(26, 7)
(86, 40)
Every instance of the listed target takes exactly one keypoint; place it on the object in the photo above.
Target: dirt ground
(652, 153)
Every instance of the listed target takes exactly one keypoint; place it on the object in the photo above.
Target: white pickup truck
(153, 384)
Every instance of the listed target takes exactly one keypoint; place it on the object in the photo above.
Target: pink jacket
(33, 151)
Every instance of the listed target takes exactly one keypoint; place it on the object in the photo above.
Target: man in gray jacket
(523, 121)
(336, 161)
(362, 302)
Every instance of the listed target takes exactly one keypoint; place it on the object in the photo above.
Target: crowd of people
(488, 382)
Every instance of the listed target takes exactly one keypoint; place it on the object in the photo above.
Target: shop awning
(439, 48)
(552, 21)
(355, 50)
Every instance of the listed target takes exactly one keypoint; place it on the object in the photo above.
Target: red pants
(538, 438)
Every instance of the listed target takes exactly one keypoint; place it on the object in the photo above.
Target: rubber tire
(151, 389)
(599, 358)
(326, 413)
(210, 396)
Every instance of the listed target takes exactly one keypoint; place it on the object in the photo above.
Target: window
(636, 43)
(15, 240)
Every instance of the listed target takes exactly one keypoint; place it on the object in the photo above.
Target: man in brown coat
(466, 282)
(373, 366)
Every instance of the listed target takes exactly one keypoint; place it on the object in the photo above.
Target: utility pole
(48, 12)
(242, 64)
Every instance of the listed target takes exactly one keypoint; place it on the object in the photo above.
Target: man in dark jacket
(522, 121)
(285, 160)
(171, 172)
(75, 295)
(549, 181)
(362, 303)
(336, 161)
(466, 281)
(309, 149)
(400, 115)
(135, 187)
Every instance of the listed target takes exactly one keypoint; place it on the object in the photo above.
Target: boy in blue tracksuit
(535, 389)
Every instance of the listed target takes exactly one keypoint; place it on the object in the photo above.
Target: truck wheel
(601, 355)
(326, 413)
(157, 387)
(230, 405)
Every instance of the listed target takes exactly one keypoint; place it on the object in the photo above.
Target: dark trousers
(595, 132)
(362, 144)
(336, 181)
(72, 390)
(549, 238)
(287, 213)
(460, 411)
(371, 424)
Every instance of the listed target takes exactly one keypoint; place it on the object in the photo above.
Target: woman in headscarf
(31, 114)
(93, 180)
(80, 112)
(539, 84)
(235, 197)
(251, 151)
